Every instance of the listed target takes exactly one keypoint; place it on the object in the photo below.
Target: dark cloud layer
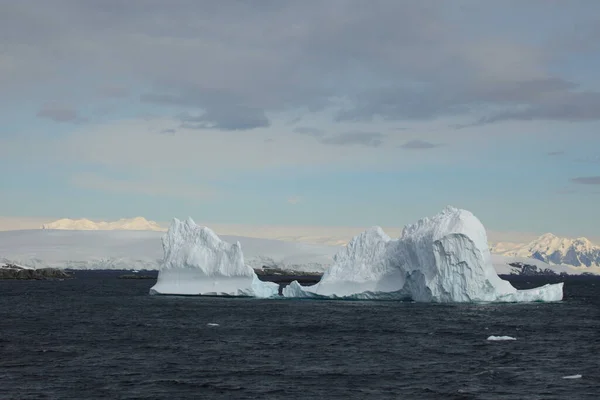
(58, 113)
(368, 139)
(235, 62)
(419, 145)
(219, 110)
(114, 91)
(587, 180)
(227, 119)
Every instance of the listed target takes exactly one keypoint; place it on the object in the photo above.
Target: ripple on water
(78, 339)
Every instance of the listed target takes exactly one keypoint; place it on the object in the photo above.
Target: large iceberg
(444, 258)
(197, 262)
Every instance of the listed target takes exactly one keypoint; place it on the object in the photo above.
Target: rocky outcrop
(556, 250)
(11, 271)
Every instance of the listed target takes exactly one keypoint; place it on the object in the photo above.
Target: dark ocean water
(100, 337)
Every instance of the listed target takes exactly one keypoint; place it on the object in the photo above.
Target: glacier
(142, 250)
(444, 258)
(197, 262)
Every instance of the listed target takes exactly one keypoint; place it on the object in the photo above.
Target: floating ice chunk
(572, 376)
(444, 258)
(500, 338)
(197, 262)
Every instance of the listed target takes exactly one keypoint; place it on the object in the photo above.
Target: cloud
(556, 153)
(170, 131)
(219, 109)
(239, 62)
(302, 130)
(418, 145)
(236, 118)
(114, 91)
(137, 143)
(58, 113)
(368, 139)
(557, 105)
(587, 180)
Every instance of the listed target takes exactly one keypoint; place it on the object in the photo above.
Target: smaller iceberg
(500, 338)
(197, 262)
(442, 259)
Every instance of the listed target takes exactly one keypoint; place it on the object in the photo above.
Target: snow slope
(129, 224)
(142, 250)
(502, 266)
(444, 258)
(198, 262)
(555, 250)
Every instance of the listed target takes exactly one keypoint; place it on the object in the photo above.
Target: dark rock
(11, 271)
(273, 271)
(135, 276)
(520, 268)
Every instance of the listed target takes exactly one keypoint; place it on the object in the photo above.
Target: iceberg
(500, 338)
(197, 262)
(444, 258)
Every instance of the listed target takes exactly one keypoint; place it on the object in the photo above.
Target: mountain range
(549, 248)
(554, 250)
(124, 224)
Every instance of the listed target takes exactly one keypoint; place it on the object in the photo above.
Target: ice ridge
(444, 258)
(197, 262)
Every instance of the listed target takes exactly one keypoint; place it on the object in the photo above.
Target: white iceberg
(197, 262)
(141, 250)
(444, 258)
(500, 338)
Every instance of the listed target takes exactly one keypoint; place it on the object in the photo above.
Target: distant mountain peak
(556, 250)
(84, 224)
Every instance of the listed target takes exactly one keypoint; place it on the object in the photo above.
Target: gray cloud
(168, 131)
(114, 91)
(368, 139)
(309, 131)
(418, 145)
(236, 118)
(558, 105)
(587, 180)
(556, 153)
(58, 113)
(239, 61)
(220, 110)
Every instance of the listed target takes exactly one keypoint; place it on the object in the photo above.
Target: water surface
(101, 337)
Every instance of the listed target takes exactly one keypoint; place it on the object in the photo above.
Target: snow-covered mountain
(123, 249)
(555, 250)
(124, 224)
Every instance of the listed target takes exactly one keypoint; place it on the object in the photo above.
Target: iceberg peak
(444, 258)
(197, 262)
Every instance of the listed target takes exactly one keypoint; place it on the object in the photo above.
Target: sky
(321, 113)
